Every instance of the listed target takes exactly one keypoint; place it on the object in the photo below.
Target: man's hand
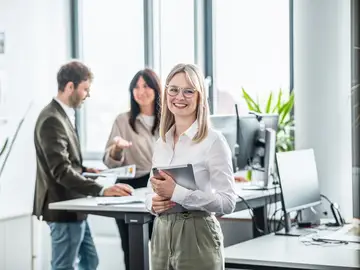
(240, 179)
(92, 170)
(118, 190)
(163, 187)
(161, 204)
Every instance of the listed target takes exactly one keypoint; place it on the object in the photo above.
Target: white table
(288, 252)
(137, 217)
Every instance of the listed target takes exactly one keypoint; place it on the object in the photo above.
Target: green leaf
(278, 103)
(285, 139)
(268, 105)
(249, 101)
(289, 123)
(287, 108)
(282, 107)
(252, 106)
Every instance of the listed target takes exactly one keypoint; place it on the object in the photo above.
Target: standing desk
(288, 252)
(136, 215)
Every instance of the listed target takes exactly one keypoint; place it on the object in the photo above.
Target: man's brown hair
(75, 72)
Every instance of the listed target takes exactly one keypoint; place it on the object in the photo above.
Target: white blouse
(212, 164)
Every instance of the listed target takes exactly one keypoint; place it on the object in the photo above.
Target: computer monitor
(240, 133)
(270, 151)
(266, 171)
(271, 121)
(298, 182)
(226, 124)
(266, 121)
(248, 132)
(268, 161)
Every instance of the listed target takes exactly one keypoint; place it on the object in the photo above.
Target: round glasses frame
(173, 91)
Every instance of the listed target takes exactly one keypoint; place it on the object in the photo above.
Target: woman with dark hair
(133, 136)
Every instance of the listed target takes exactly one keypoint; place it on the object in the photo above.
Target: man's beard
(75, 100)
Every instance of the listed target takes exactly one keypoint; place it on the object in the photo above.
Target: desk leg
(139, 246)
(260, 215)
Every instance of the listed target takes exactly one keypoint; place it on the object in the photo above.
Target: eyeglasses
(174, 91)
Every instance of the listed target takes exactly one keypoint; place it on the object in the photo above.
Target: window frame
(204, 18)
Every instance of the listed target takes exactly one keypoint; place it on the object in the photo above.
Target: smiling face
(181, 97)
(143, 94)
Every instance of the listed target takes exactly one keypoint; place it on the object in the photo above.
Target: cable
(275, 182)
(332, 206)
(273, 218)
(322, 242)
(251, 211)
(280, 222)
(268, 206)
(326, 198)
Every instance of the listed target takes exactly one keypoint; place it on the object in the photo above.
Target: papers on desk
(119, 200)
(123, 172)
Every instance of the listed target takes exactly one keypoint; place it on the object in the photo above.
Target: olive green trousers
(187, 241)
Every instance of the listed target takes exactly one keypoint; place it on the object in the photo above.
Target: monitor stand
(293, 231)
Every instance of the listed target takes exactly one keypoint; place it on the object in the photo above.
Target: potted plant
(281, 106)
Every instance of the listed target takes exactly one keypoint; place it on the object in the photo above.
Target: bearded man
(59, 172)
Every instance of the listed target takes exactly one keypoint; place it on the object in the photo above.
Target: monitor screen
(298, 179)
(226, 124)
(249, 128)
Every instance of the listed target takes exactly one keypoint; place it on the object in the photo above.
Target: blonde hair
(195, 78)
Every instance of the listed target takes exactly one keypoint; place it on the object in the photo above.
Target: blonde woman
(192, 239)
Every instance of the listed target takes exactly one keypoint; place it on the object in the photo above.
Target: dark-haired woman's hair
(152, 81)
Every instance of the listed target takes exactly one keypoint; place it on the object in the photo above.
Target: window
(251, 50)
(112, 45)
(176, 34)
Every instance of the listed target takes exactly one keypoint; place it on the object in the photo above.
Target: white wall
(37, 38)
(37, 43)
(322, 82)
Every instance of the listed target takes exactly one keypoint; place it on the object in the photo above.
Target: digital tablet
(183, 175)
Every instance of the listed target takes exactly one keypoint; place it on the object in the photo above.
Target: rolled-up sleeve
(222, 198)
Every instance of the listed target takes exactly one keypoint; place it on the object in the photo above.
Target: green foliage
(282, 107)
